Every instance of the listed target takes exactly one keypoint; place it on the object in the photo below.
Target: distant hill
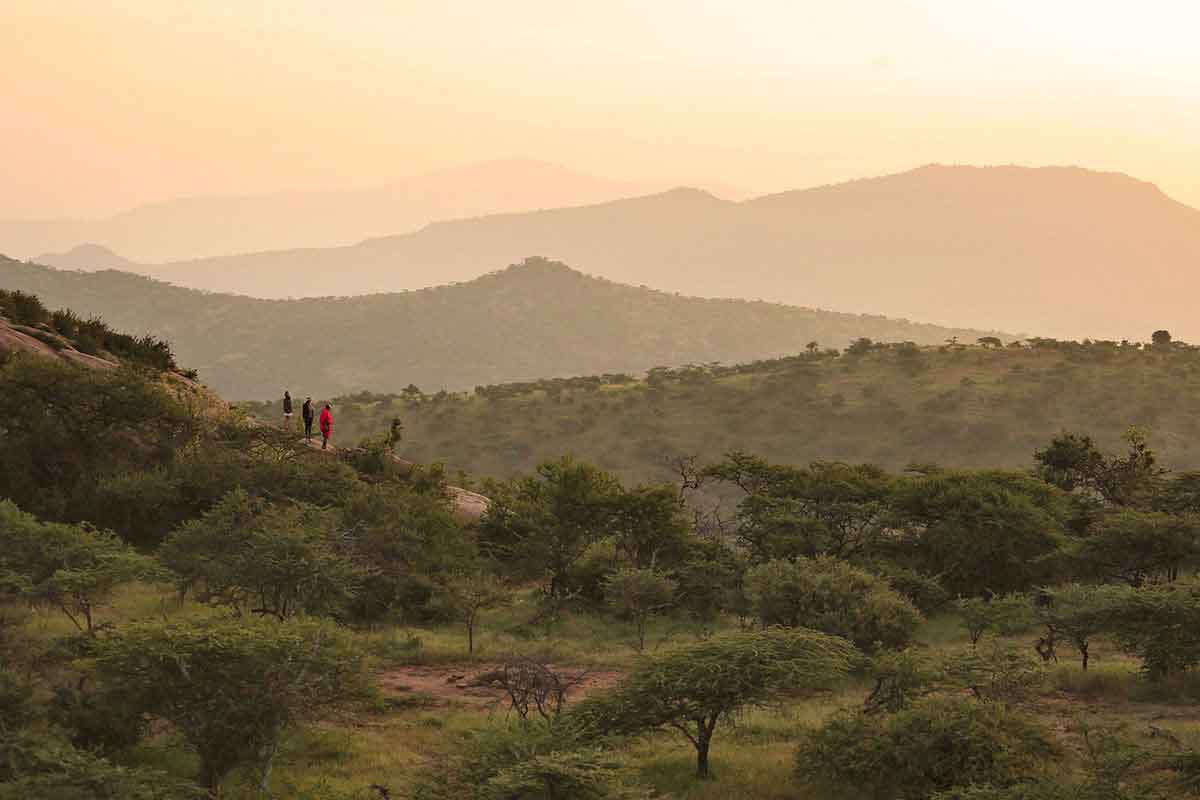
(196, 227)
(87, 257)
(956, 406)
(538, 319)
(1063, 251)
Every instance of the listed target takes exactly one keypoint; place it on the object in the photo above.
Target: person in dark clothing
(306, 413)
(326, 424)
(287, 411)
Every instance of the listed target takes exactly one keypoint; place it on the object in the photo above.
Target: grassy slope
(962, 407)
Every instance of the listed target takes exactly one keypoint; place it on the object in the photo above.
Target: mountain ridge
(226, 224)
(1064, 251)
(536, 320)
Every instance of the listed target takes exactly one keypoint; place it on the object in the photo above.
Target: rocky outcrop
(45, 343)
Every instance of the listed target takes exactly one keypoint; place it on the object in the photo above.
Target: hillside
(1062, 251)
(960, 406)
(196, 227)
(539, 319)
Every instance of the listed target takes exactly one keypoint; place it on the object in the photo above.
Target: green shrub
(933, 746)
(1161, 626)
(231, 687)
(829, 595)
(1002, 673)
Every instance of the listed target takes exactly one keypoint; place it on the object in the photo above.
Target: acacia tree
(262, 559)
(980, 532)
(637, 595)
(73, 568)
(1078, 613)
(1008, 614)
(538, 527)
(1136, 546)
(691, 688)
(826, 508)
(467, 595)
(232, 688)
(1074, 463)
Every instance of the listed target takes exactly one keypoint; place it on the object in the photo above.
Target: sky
(108, 104)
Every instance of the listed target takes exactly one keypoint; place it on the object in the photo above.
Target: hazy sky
(111, 103)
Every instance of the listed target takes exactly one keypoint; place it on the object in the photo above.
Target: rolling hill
(976, 407)
(1062, 251)
(196, 227)
(538, 319)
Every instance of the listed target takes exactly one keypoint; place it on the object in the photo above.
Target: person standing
(326, 424)
(306, 413)
(287, 411)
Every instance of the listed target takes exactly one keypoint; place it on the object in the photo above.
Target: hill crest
(537, 319)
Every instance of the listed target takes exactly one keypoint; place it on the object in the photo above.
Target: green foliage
(36, 767)
(649, 526)
(829, 595)
(67, 427)
(1161, 626)
(1137, 546)
(410, 540)
(231, 687)
(99, 719)
(263, 559)
(69, 567)
(1002, 673)
(690, 688)
(1003, 615)
(901, 678)
(1078, 613)
(784, 410)
(935, 745)
(981, 533)
(464, 596)
(923, 591)
(1073, 462)
(824, 509)
(539, 527)
(637, 594)
(543, 760)
(709, 578)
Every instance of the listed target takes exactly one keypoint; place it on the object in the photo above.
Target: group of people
(306, 413)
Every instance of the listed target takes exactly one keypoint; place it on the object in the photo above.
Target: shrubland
(957, 404)
(193, 605)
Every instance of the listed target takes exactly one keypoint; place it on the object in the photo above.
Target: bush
(231, 688)
(1161, 626)
(543, 760)
(637, 594)
(1002, 673)
(936, 745)
(266, 559)
(923, 591)
(829, 595)
(410, 541)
